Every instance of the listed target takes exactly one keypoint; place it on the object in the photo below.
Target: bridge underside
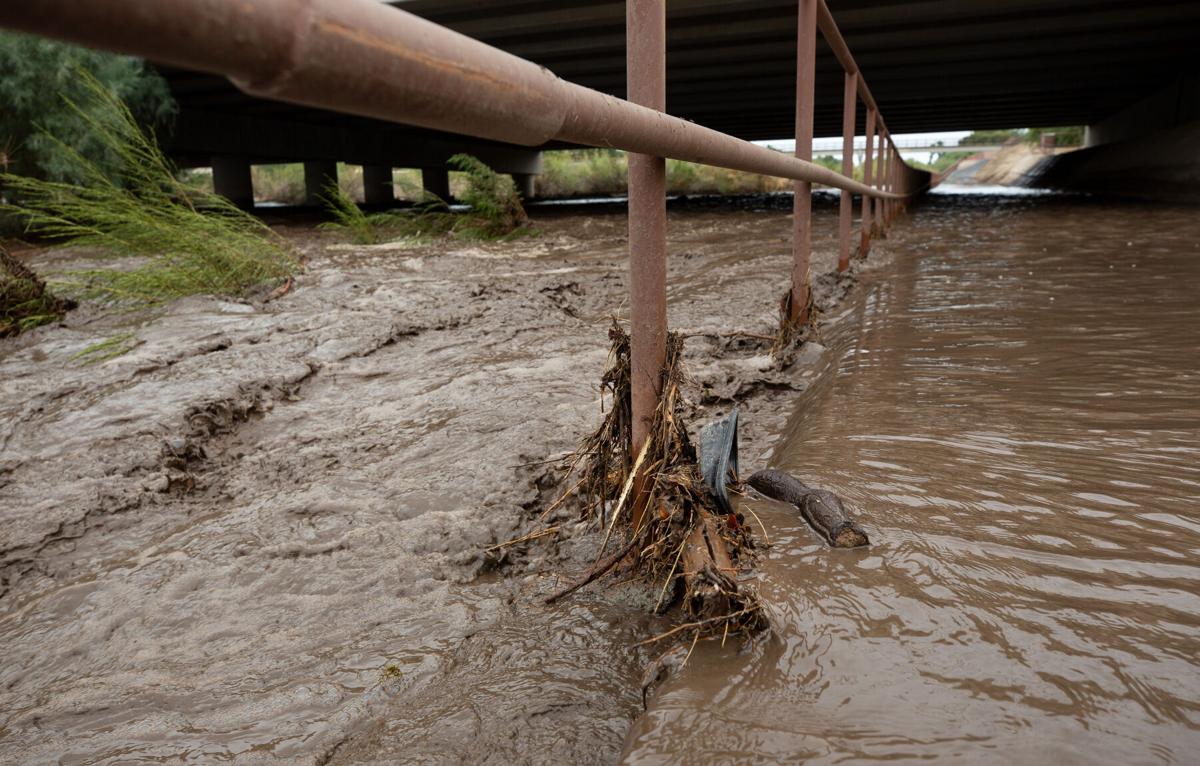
(968, 64)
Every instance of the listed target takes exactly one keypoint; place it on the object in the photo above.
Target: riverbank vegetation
(1071, 135)
(45, 103)
(132, 205)
(940, 163)
(39, 77)
(494, 211)
(605, 172)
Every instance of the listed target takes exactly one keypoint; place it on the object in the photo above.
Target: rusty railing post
(893, 155)
(879, 184)
(646, 78)
(806, 77)
(846, 212)
(868, 161)
(885, 178)
(880, 168)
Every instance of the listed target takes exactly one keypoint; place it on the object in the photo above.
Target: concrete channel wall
(1150, 150)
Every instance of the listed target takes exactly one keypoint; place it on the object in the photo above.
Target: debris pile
(25, 302)
(684, 545)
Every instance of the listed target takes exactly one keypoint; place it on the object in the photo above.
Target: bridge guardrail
(367, 58)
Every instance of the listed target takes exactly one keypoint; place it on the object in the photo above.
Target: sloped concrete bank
(262, 535)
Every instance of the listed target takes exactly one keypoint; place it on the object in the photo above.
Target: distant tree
(37, 75)
(989, 137)
(1068, 136)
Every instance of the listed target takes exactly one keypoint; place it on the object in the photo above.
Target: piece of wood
(598, 569)
(822, 509)
(708, 571)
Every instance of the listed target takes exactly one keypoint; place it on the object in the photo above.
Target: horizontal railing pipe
(368, 58)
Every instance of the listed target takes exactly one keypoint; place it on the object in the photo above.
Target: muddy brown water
(308, 579)
(1015, 414)
(313, 586)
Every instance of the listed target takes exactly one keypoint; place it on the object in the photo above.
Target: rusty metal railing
(368, 58)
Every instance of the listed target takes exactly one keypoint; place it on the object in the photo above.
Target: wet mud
(274, 532)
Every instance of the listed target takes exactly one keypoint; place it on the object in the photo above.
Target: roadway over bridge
(932, 65)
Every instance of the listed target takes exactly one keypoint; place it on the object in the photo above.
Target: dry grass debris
(25, 302)
(794, 327)
(684, 547)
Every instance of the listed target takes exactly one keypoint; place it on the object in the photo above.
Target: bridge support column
(646, 80)
(524, 182)
(436, 181)
(318, 174)
(232, 180)
(868, 160)
(846, 212)
(377, 185)
(806, 76)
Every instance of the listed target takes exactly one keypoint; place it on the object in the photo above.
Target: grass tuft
(191, 241)
(495, 211)
(348, 217)
(109, 348)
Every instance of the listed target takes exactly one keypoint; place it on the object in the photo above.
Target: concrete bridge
(912, 147)
(1127, 70)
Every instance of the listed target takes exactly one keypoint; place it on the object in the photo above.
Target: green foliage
(829, 161)
(1067, 136)
(190, 241)
(583, 172)
(363, 228)
(941, 163)
(282, 183)
(691, 178)
(989, 137)
(495, 211)
(39, 88)
(600, 172)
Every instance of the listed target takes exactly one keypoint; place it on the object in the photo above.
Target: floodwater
(276, 533)
(262, 536)
(1015, 417)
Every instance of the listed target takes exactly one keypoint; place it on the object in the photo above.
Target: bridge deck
(970, 64)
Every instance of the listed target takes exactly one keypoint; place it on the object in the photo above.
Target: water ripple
(1015, 417)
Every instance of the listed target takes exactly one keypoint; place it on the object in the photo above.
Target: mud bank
(262, 534)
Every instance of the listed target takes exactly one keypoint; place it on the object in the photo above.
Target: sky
(949, 138)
